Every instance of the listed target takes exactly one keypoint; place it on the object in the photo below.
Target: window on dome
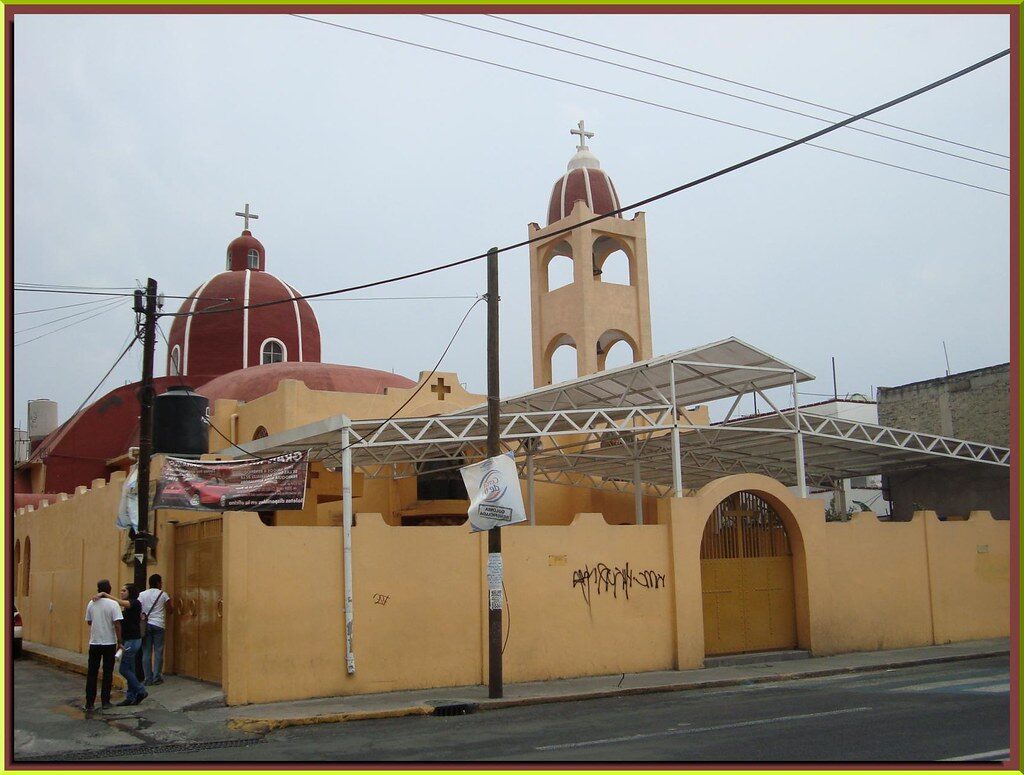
(175, 369)
(273, 351)
(254, 259)
(228, 262)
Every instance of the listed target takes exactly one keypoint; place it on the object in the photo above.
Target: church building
(655, 537)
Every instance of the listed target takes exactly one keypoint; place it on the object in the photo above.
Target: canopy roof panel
(594, 431)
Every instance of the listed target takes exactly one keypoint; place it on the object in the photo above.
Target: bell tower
(590, 314)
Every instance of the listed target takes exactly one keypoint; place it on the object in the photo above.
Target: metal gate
(198, 602)
(746, 567)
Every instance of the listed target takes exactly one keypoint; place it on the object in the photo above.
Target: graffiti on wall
(614, 579)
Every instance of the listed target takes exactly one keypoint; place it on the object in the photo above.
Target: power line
(77, 287)
(669, 192)
(741, 83)
(78, 293)
(73, 323)
(110, 303)
(396, 298)
(63, 306)
(712, 90)
(42, 450)
(649, 103)
(430, 376)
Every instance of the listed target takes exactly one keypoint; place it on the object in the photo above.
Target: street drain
(454, 709)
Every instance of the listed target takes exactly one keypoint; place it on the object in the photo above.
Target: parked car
(16, 650)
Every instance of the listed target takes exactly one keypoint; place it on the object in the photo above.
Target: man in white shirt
(104, 618)
(156, 605)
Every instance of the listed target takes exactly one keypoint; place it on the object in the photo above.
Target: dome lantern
(584, 180)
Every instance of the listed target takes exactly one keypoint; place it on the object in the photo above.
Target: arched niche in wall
(613, 262)
(558, 266)
(615, 348)
(560, 361)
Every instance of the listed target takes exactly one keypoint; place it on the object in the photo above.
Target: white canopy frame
(625, 430)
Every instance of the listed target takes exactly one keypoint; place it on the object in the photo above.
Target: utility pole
(494, 682)
(145, 305)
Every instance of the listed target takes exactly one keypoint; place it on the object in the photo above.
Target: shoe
(88, 708)
(148, 682)
(159, 680)
(125, 701)
(107, 706)
(140, 698)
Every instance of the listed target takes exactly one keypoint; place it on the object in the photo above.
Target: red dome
(244, 334)
(246, 252)
(251, 383)
(590, 184)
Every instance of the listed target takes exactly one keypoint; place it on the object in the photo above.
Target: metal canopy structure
(625, 430)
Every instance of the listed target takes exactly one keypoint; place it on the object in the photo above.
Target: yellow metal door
(747, 579)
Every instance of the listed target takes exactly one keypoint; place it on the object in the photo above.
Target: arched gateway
(746, 565)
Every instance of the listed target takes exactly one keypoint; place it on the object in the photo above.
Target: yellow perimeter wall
(585, 598)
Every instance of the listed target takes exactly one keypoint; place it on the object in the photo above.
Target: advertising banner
(271, 484)
(495, 498)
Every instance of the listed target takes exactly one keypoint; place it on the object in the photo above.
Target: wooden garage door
(746, 570)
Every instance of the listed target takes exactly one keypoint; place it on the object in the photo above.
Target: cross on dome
(247, 215)
(583, 135)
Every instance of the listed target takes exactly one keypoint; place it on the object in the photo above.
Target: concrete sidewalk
(204, 703)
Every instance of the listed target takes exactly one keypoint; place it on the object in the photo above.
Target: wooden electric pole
(145, 305)
(494, 682)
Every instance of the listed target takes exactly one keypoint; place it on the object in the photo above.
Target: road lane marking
(988, 756)
(694, 730)
(947, 684)
(997, 689)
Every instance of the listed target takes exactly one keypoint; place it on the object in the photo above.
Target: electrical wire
(656, 197)
(41, 451)
(741, 83)
(422, 383)
(77, 293)
(110, 304)
(73, 323)
(77, 287)
(712, 90)
(649, 103)
(62, 306)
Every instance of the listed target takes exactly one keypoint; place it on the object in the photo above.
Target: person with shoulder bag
(156, 606)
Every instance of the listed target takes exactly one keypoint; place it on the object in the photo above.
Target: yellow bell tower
(589, 314)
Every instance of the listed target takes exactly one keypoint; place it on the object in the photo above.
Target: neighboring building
(860, 493)
(971, 405)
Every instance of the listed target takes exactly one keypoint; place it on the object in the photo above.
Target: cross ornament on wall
(440, 389)
(584, 135)
(247, 215)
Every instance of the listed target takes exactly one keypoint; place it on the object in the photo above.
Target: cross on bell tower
(584, 135)
(247, 215)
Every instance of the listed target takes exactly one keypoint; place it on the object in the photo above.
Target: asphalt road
(957, 710)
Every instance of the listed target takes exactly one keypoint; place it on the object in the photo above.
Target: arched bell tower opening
(607, 300)
(746, 569)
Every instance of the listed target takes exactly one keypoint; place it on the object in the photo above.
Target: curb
(64, 664)
(260, 726)
(263, 725)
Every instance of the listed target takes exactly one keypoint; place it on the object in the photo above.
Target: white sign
(494, 571)
(495, 497)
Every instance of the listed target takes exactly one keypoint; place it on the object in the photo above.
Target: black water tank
(178, 426)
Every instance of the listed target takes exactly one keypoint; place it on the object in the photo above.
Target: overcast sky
(138, 137)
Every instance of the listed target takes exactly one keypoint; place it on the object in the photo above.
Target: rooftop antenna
(946, 353)
(835, 388)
